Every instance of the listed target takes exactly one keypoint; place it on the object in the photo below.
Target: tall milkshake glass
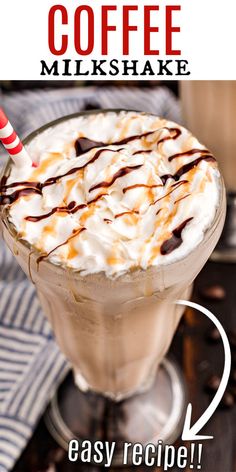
(116, 333)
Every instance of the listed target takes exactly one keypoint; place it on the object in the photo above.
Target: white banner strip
(206, 40)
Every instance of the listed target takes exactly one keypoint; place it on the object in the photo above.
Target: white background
(207, 38)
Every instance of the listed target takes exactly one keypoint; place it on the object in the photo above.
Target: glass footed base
(143, 418)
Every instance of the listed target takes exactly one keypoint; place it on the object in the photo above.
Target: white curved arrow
(190, 433)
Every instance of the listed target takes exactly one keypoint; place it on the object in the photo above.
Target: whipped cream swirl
(113, 192)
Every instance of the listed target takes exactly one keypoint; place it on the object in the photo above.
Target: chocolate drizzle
(25, 183)
(165, 177)
(37, 187)
(73, 235)
(3, 181)
(71, 208)
(186, 168)
(139, 186)
(176, 239)
(191, 152)
(174, 187)
(120, 173)
(23, 192)
(177, 132)
(94, 200)
(53, 180)
(83, 145)
(142, 151)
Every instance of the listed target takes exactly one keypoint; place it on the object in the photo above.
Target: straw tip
(22, 159)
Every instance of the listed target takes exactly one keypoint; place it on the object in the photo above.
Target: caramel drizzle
(37, 187)
(182, 198)
(83, 145)
(86, 145)
(131, 212)
(73, 235)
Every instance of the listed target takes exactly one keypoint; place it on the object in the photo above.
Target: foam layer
(123, 204)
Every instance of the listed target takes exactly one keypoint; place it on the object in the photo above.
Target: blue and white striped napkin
(31, 365)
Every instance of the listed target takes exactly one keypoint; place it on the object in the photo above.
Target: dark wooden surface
(199, 359)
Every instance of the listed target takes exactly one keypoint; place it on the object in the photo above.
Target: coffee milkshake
(112, 225)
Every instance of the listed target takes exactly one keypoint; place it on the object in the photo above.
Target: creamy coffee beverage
(112, 224)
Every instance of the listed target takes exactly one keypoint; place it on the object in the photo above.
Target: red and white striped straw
(12, 142)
